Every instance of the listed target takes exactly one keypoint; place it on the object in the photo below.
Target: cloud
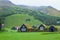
(54, 3)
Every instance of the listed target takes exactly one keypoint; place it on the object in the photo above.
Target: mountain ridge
(6, 3)
(49, 10)
(7, 10)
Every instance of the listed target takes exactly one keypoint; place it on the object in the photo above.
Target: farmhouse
(52, 29)
(23, 28)
(41, 27)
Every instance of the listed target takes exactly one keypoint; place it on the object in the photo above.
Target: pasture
(13, 35)
(19, 19)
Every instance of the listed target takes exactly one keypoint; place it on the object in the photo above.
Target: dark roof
(24, 26)
(52, 26)
(41, 25)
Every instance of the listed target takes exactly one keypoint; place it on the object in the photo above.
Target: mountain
(49, 10)
(45, 9)
(7, 9)
(6, 3)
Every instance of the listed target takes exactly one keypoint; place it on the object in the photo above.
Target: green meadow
(19, 19)
(29, 36)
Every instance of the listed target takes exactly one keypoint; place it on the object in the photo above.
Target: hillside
(49, 10)
(19, 19)
(51, 19)
(5, 7)
(46, 19)
(5, 3)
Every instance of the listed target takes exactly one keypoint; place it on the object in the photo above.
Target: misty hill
(5, 7)
(49, 10)
(45, 9)
(6, 11)
(5, 3)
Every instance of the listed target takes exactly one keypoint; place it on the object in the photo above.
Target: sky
(53, 3)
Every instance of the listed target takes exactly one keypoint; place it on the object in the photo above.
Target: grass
(29, 36)
(19, 19)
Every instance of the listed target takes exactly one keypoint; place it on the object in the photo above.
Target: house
(41, 28)
(23, 28)
(52, 29)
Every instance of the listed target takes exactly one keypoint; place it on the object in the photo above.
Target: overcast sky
(53, 3)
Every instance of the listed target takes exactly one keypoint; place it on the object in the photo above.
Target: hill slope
(46, 19)
(8, 10)
(45, 9)
(5, 3)
(19, 19)
(5, 7)
(49, 10)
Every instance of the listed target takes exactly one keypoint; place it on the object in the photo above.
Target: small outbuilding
(13, 28)
(52, 29)
(41, 27)
(23, 28)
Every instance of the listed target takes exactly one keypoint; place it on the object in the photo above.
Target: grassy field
(19, 19)
(29, 36)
